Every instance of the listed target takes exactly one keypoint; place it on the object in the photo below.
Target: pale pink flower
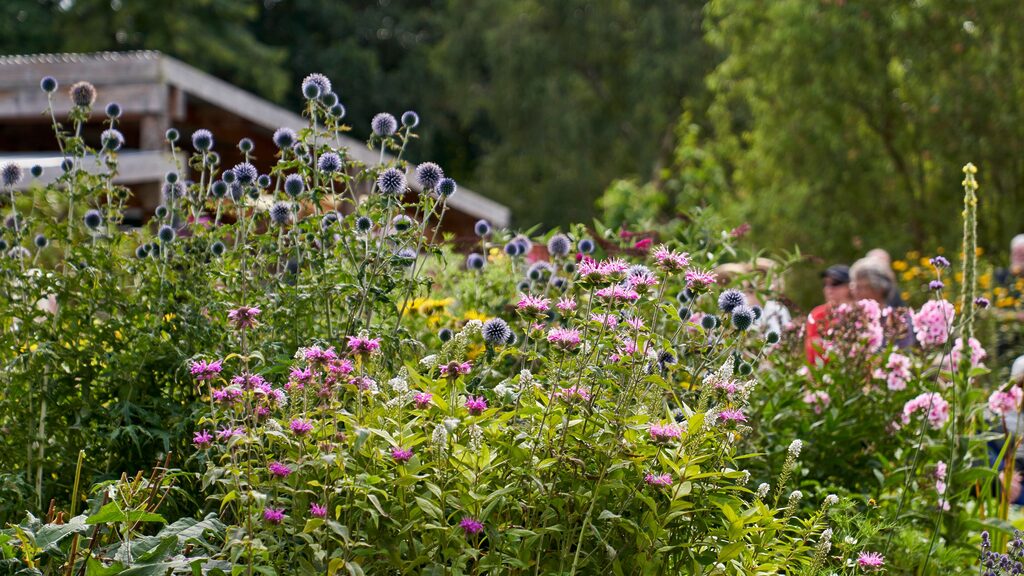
(818, 400)
(671, 261)
(665, 433)
(658, 480)
(871, 561)
(933, 322)
(1004, 403)
(564, 338)
(566, 304)
(936, 409)
(244, 317)
(533, 305)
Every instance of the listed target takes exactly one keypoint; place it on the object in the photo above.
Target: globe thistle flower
(112, 140)
(273, 515)
(36, 171)
(446, 187)
(67, 164)
(317, 511)
(284, 138)
(113, 110)
(48, 84)
(709, 322)
(202, 140)
(263, 182)
(364, 224)
(405, 257)
(772, 337)
(482, 228)
(245, 173)
(217, 248)
(384, 124)
(475, 261)
(444, 334)
(294, 185)
(83, 94)
(229, 176)
(513, 249)
(401, 223)
(212, 160)
(142, 251)
(41, 241)
(338, 111)
(315, 85)
(742, 317)
(329, 99)
(172, 135)
(410, 119)
(93, 219)
(166, 234)
(730, 300)
(471, 526)
(329, 219)
(539, 270)
(585, 245)
(280, 213)
(171, 177)
(391, 182)
(329, 163)
(559, 245)
(219, 189)
(11, 174)
(496, 332)
(4, 245)
(429, 175)
(246, 145)
(173, 190)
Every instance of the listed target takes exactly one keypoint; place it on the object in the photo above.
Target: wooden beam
(135, 100)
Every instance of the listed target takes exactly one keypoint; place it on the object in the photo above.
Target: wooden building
(157, 92)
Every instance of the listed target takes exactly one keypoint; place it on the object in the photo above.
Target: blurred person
(836, 289)
(873, 279)
(1008, 276)
(893, 299)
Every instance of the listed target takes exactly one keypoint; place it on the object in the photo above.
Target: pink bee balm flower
(590, 271)
(1005, 403)
(566, 304)
(423, 399)
(870, 561)
(317, 511)
(341, 367)
(202, 439)
(933, 322)
(564, 338)
(204, 370)
(317, 355)
(476, 405)
(300, 427)
(666, 433)
(273, 515)
(278, 469)
(533, 305)
(228, 432)
(248, 381)
(301, 375)
(471, 526)
(670, 261)
(699, 280)
(658, 479)
(618, 293)
(360, 345)
(454, 369)
(400, 455)
(244, 317)
(609, 320)
(732, 415)
(614, 269)
(573, 394)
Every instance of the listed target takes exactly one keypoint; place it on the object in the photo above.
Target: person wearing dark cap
(836, 288)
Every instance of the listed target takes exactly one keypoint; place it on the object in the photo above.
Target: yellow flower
(169, 316)
(985, 280)
(913, 255)
(474, 315)
(474, 350)
(899, 265)
(117, 334)
(926, 262)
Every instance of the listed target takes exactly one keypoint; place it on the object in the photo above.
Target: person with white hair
(1015, 271)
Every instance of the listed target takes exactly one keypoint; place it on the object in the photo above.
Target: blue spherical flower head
(294, 185)
(742, 317)
(429, 175)
(112, 140)
(314, 85)
(202, 140)
(401, 223)
(229, 176)
(559, 245)
(41, 241)
(173, 190)
(730, 299)
(391, 182)
(93, 219)
(246, 145)
(171, 177)
(36, 171)
(113, 110)
(405, 257)
(48, 84)
(475, 261)
(142, 251)
(83, 94)
(329, 220)
(772, 337)
(496, 332)
(263, 182)
(217, 248)
(444, 334)
(245, 173)
(172, 135)
(514, 249)
(329, 163)
(364, 224)
(219, 189)
(446, 187)
(384, 125)
(410, 119)
(709, 322)
(585, 245)
(329, 99)
(526, 243)
(161, 212)
(11, 174)
(284, 138)
(166, 234)
(280, 213)
(482, 228)
(684, 313)
(338, 111)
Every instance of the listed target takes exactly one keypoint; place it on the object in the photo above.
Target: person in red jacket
(836, 287)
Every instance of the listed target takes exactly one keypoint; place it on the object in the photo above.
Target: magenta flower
(318, 355)
(471, 526)
(228, 432)
(573, 394)
(870, 561)
(590, 272)
(400, 455)
(360, 345)
(699, 280)
(423, 399)
(618, 293)
(732, 415)
(476, 405)
(454, 369)
(1005, 403)
(566, 304)
(301, 375)
(278, 469)
(609, 320)
(614, 269)
(818, 400)
(932, 404)
(300, 427)
(658, 480)
(244, 317)
(670, 261)
(203, 370)
(273, 515)
(533, 305)
(666, 433)
(564, 338)
(248, 381)
(317, 511)
(341, 367)
(202, 439)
